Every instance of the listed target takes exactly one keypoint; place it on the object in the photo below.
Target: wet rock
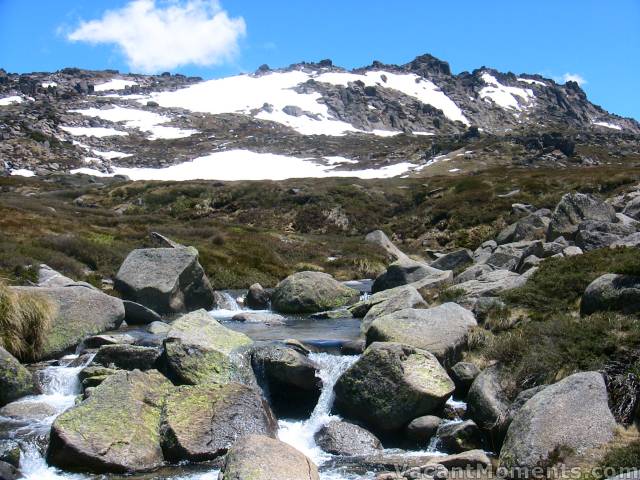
(115, 430)
(421, 429)
(463, 374)
(128, 357)
(97, 341)
(165, 280)
(406, 271)
(10, 452)
(158, 328)
(390, 385)
(332, 314)
(459, 437)
(198, 350)
(567, 417)
(137, 314)
(258, 298)
(487, 402)
(259, 317)
(309, 292)
(8, 471)
(612, 292)
(575, 208)
(343, 438)
(441, 330)
(262, 458)
(31, 410)
(454, 260)
(202, 422)
(15, 380)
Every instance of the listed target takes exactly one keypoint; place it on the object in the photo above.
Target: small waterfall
(299, 434)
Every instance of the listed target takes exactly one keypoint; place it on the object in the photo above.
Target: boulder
(631, 241)
(572, 251)
(28, 410)
(165, 280)
(310, 292)
(343, 438)
(454, 260)
(457, 437)
(10, 452)
(463, 374)
(542, 249)
(528, 263)
(379, 238)
(441, 330)
(632, 208)
(421, 429)
(198, 350)
(503, 261)
(9, 472)
(473, 272)
(390, 301)
(332, 314)
(531, 227)
(575, 208)
(487, 402)
(128, 357)
(80, 312)
(390, 385)
(259, 317)
(97, 341)
(404, 292)
(202, 422)
(15, 380)
(115, 430)
(612, 292)
(159, 328)
(570, 416)
(48, 277)
(593, 235)
(406, 271)
(490, 284)
(258, 298)
(136, 314)
(256, 457)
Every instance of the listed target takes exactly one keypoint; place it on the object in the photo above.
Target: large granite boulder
(441, 330)
(310, 292)
(343, 438)
(458, 437)
(593, 235)
(166, 280)
(488, 402)
(610, 292)
(490, 284)
(198, 350)
(128, 357)
(390, 385)
(379, 238)
(570, 416)
(80, 312)
(575, 208)
(406, 271)
(390, 301)
(115, 430)
(15, 380)
(202, 422)
(137, 314)
(454, 260)
(531, 227)
(258, 298)
(256, 457)
(421, 429)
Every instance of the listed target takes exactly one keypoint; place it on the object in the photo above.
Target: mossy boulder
(441, 330)
(80, 312)
(311, 292)
(200, 350)
(346, 439)
(201, 422)
(612, 292)
(116, 429)
(390, 301)
(390, 385)
(165, 280)
(256, 457)
(15, 380)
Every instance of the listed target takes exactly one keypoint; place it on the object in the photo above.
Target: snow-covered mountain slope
(384, 119)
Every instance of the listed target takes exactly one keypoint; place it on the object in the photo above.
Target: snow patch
(531, 81)
(98, 132)
(114, 84)
(505, 96)
(49, 84)
(22, 172)
(11, 100)
(613, 126)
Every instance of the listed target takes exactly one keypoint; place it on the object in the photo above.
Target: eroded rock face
(390, 385)
(612, 292)
(575, 208)
(15, 380)
(200, 350)
(310, 292)
(567, 417)
(256, 457)
(115, 430)
(202, 422)
(343, 438)
(166, 280)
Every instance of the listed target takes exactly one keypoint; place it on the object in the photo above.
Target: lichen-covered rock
(454, 260)
(115, 430)
(15, 380)
(128, 357)
(200, 350)
(406, 271)
(343, 438)
(575, 208)
(201, 422)
(421, 429)
(137, 314)
(487, 401)
(310, 292)
(166, 280)
(441, 330)
(463, 374)
(256, 457)
(489, 284)
(80, 312)
(390, 301)
(570, 416)
(390, 385)
(258, 298)
(459, 437)
(610, 292)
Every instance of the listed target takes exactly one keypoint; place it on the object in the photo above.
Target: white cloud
(574, 77)
(161, 37)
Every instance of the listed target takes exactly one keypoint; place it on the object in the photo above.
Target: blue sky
(596, 40)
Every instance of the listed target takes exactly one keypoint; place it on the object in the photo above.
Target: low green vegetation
(622, 458)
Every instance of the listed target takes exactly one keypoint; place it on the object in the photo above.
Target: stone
(406, 271)
(115, 430)
(632, 209)
(259, 317)
(202, 422)
(454, 260)
(8, 471)
(10, 452)
(421, 429)
(531, 227)
(159, 328)
(48, 277)
(310, 292)
(97, 341)
(459, 437)
(128, 357)
(31, 410)
(487, 401)
(256, 457)
(198, 350)
(379, 238)
(80, 312)
(528, 263)
(463, 374)
(390, 385)
(593, 235)
(332, 314)
(473, 272)
(165, 280)
(390, 301)
(575, 208)
(611, 292)
(258, 298)
(136, 314)
(567, 417)
(15, 380)
(490, 284)
(343, 438)
(440, 330)
(572, 251)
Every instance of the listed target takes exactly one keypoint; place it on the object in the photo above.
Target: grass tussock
(25, 320)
